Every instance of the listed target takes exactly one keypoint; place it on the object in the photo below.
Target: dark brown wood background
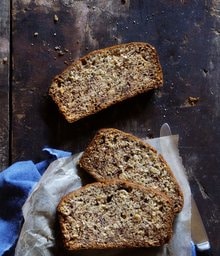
(186, 35)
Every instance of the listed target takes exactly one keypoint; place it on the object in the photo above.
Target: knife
(199, 236)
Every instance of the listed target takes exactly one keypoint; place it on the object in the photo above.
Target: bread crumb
(57, 48)
(192, 101)
(4, 60)
(36, 34)
(61, 53)
(56, 18)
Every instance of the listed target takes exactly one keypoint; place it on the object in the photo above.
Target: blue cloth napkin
(193, 249)
(16, 183)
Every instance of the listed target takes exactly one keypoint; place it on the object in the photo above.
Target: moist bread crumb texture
(115, 214)
(115, 154)
(105, 77)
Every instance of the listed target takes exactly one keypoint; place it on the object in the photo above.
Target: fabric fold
(16, 183)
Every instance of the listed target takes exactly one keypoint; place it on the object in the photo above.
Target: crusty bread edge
(126, 184)
(157, 84)
(87, 168)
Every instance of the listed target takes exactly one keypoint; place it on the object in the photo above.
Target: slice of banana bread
(105, 77)
(115, 214)
(115, 154)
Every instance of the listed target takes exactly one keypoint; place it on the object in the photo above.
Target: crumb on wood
(57, 48)
(5, 60)
(150, 134)
(36, 34)
(55, 18)
(192, 101)
(61, 53)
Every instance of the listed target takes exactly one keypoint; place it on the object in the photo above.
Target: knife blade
(165, 130)
(198, 232)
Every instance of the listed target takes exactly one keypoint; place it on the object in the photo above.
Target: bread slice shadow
(75, 136)
(115, 252)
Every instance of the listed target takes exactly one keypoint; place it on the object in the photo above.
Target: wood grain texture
(4, 82)
(186, 35)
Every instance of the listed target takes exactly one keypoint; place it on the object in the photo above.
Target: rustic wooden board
(4, 82)
(186, 35)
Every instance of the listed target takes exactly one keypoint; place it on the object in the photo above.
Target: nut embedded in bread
(105, 77)
(119, 155)
(115, 214)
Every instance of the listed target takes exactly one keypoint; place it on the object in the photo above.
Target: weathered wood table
(38, 38)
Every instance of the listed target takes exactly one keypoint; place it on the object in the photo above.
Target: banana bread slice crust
(105, 77)
(115, 214)
(116, 154)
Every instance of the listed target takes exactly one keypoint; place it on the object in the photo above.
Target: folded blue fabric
(16, 183)
(193, 249)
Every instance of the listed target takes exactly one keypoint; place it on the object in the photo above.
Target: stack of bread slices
(133, 202)
(135, 197)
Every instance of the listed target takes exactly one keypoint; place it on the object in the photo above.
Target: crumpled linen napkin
(16, 183)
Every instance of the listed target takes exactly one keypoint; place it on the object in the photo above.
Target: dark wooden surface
(4, 82)
(187, 37)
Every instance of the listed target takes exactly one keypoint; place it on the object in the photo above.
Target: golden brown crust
(86, 162)
(101, 104)
(160, 240)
